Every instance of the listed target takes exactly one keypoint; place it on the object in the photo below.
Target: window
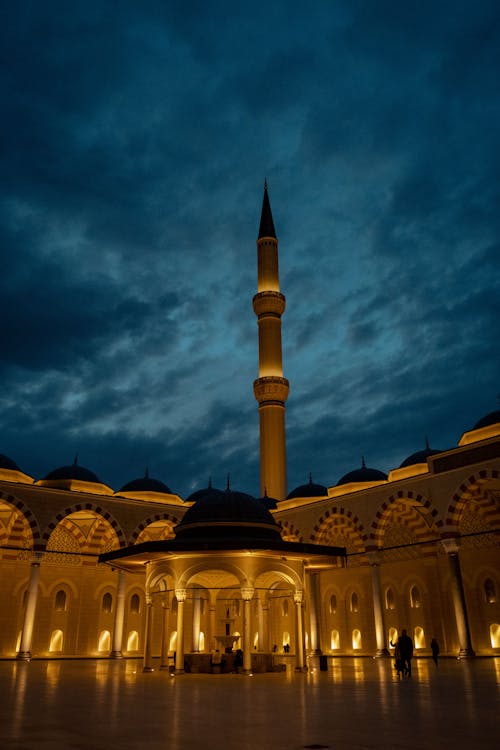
(135, 604)
(354, 602)
(415, 600)
(490, 592)
(133, 641)
(56, 641)
(104, 641)
(333, 604)
(284, 607)
(393, 636)
(334, 640)
(107, 603)
(356, 639)
(60, 601)
(419, 637)
(389, 599)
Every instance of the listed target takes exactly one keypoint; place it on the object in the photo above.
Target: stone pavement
(357, 704)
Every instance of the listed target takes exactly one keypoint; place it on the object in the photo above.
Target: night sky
(136, 138)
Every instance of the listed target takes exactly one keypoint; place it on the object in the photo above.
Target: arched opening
(334, 640)
(393, 635)
(354, 602)
(285, 641)
(202, 640)
(107, 603)
(356, 639)
(56, 641)
(135, 604)
(490, 592)
(495, 635)
(256, 641)
(172, 645)
(60, 601)
(389, 599)
(284, 608)
(133, 641)
(104, 643)
(415, 600)
(333, 604)
(419, 637)
(237, 639)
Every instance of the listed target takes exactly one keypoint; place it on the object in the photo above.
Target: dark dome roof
(362, 475)
(146, 484)
(308, 490)
(218, 514)
(73, 472)
(8, 463)
(491, 418)
(268, 502)
(420, 457)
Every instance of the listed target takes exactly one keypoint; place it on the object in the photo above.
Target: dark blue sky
(135, 141)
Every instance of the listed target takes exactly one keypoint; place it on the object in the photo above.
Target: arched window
(107, 603)
(389, 599)
(133, 641)
(256, 641)
(174, 605)
(393, 635)
(490, 592)
(56, 641)
(60, 601)
(286, 639)
(354, 602)
(419, 637)
(135, 604)
(284, 607)
(334, 640)
(356, 639)
(415, 600)
(495, 635)
(333, 604)
(236, 607)
(104, 641)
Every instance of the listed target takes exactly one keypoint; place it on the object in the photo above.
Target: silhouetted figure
(435, 651)
(238, 660)
(286, 648)
(275, 648)
(406, 650)
(398, 662)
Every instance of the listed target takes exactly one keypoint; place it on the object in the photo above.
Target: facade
(322, 570)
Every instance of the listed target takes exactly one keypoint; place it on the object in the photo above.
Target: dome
(226, 514)
(8, 463)
(491, 418)
(146, 484)
(268, 502)
(363, 474)
(308, 490)
(419, 457)
(80, 473)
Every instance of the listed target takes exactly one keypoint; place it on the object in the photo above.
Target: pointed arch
(339, 526)
(78, 508)
(29, 516)
(414, 512)
(142, 526)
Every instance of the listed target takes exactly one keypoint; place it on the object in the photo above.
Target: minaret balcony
(269, 303)
(271, 388)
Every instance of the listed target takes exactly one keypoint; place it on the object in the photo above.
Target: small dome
(308, 490)
(363, 474)
(270, 503)
(226, 514)
(74, 471)
(8, 463)
(491, 418)
(146, 484)
(419, 457)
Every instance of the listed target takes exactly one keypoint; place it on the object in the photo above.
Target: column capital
(451, 546)
(247, 593)
(298, 597)
(373, 557)
(181, 595)
(36, 558)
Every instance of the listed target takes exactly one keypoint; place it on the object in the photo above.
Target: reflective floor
(357, 703)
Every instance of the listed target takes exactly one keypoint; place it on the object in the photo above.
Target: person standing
(406, 650)
(435, 651)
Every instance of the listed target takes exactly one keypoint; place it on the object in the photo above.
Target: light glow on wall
(495, 635)
(356, 639)
(104, 641)
(419, 637)
(334, 640)
(56, 641)
(133, 641)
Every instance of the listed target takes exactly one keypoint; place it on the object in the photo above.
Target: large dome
(74, 471)
(227, 515)
(146, 484)
(491, 418)
(419, 457)
(8, 463)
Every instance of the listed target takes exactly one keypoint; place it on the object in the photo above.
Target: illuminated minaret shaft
(271, 388)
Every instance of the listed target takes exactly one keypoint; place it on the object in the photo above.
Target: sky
(136, 138)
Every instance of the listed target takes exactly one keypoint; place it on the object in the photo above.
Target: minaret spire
(271, 388)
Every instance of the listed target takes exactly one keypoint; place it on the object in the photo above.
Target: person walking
(406, 650)
(435, 651)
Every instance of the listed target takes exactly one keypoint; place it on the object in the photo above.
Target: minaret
(271, 388)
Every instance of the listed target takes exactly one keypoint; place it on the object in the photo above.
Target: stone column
(247, 594)
(116, 649)
(165, 633)
(24, 653)
(260, 619)
(299, 632)
(265, 625)
(314, 612)
(180, 595)
(148, 652)
(378, 605)
(212, 612)
(196, 620)
(457, 591)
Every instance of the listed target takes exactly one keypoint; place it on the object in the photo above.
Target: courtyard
(357, 703)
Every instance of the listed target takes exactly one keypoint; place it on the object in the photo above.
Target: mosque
(222, 580)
